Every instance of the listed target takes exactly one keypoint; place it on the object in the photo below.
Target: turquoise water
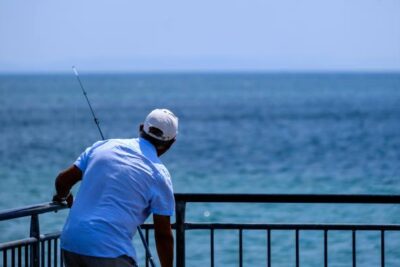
(239, 133)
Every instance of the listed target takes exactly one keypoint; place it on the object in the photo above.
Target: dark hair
(157, 143)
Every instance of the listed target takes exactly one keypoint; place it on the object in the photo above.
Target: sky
(206, 35)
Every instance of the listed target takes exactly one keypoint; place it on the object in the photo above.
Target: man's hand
(64, 182)
(69, 199)
(164, 240)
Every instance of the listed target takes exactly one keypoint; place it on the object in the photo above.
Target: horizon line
(211, 71)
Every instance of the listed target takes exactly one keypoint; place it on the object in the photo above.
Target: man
(123, 182)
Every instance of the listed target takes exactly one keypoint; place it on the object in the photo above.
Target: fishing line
(96, 121)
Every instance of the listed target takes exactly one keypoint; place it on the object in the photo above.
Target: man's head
(160, 128)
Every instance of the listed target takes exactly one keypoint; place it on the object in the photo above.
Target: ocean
(238, 133)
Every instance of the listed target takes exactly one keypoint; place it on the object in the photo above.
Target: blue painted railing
(43, 249)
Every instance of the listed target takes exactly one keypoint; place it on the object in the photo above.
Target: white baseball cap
(163, 120)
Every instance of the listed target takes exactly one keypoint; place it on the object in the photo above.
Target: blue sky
(206, 35)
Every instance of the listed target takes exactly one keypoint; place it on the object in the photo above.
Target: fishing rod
(96, 121)
(87, 100)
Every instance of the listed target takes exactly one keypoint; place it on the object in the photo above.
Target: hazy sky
(168, 35)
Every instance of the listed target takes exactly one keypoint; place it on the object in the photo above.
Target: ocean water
(239, 133)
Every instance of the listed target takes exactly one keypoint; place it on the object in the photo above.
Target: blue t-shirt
(123, 183)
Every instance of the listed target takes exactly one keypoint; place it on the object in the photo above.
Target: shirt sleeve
(82, 161)
(163, 201)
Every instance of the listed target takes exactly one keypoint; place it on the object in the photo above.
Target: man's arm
(164, 240)
(64, 182)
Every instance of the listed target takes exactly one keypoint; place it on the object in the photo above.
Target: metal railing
(182, 226)
(37, 249)
(43, 250)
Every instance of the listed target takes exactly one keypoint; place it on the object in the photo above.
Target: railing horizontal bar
(148, 226)
(244, 198)
(290, 198)
(17, 243)
(51, 236)
(31, 210)
(28, 241)
(237, 226)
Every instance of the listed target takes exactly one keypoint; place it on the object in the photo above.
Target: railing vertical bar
(383, 248)
(147, 241)
(325, 248)
(180, 233)
(297, 249)
(240, 247)
(212, 246)
(61, 258)
(13, 257)
(354, 248)
(5, 258)
(19, 256)
(55, 252)
(35, 247)
(269, 247)
(42, 256)
(49, 253)
(26, 253)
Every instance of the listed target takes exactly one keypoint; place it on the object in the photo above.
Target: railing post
(180, 233)
(35, 232)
